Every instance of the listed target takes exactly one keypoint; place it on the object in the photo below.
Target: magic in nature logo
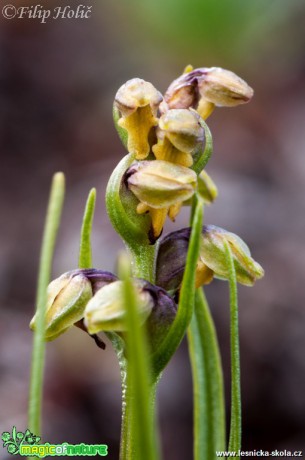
(15, 440)
(26, 444)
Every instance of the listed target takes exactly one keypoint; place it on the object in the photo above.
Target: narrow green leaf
(85, 251)
(204, 157)
(209, 411)
(141, 434)
(162, 356)
(235, 426)
(46, 256)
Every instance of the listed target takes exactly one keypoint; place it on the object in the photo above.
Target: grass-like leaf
(235, 426)
(46, 257)
(187, 295)
(140, 429)
(209, 412)
(85, 251)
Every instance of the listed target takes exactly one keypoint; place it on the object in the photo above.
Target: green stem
(130, 448)
(85, 251)
(143, 261)
(209, 407)
(235, 426)
(209, 412)
(47, 250)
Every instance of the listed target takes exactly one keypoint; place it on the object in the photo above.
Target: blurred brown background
(57, 83)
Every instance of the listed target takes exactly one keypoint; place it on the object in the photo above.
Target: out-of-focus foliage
(229, 30)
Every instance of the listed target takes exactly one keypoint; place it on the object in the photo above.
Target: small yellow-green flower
(213, 255)
(138, 101)
(179, 134)
(159, 185)
(106, 310)
(67, 297)
(205, 88)
(212, 258)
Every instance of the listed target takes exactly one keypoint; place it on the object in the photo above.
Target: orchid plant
(157, 297)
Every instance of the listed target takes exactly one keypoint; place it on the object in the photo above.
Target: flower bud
(180, 134)
(171, 259)
(106, 310)
(67, 297)
(207, 188)
(205, 88)
(171, 262)
(213, 254)
(138, 101)
(160, 184)
(161, 317)
(224, 88)
(212, 260)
